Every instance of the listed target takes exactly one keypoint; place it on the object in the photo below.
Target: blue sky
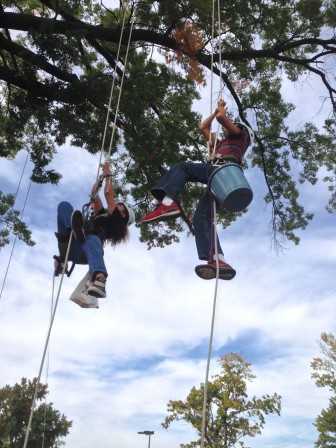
(113, 370)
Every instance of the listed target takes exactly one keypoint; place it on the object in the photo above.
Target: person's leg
(64, 212)
(204, 229)
(168, 188)
(93, 249)
(173, 181)
(204, 236)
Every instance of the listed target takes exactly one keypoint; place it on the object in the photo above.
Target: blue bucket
(230, 187)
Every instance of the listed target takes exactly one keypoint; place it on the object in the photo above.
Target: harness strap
(59, 265)
(63, 242)
(219, 159)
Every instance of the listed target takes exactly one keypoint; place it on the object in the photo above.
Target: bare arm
(223, 119)
(205, 127)
(97, 204)
(108, 192)
(220, 115)
(108, 189)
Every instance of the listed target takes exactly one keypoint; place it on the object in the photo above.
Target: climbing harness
(59, 266)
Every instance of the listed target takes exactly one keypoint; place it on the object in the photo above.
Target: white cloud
(113, 370)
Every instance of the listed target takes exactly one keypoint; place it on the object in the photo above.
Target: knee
(94, 242)
(179, 166)
(64, 205)
(202, 215)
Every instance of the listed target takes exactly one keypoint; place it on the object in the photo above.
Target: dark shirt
(105, 225)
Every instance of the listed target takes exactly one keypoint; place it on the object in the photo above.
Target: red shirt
(234, 145)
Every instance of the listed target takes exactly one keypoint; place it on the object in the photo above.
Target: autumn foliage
(189, 40)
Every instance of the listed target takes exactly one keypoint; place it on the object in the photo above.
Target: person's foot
(162, 212)
(77, 225)
(209, 271)
(97, 288)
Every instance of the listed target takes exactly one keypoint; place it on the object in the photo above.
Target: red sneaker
(209, 271)
(162, 212)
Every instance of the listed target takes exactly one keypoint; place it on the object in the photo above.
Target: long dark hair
(121, 236)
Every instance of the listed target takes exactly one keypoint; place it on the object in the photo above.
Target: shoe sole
(210, 272)
(164, 217)
(96, 293)
(76, 224)
(85, 301)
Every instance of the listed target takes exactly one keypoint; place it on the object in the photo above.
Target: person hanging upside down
(231, 148)
(106, 225)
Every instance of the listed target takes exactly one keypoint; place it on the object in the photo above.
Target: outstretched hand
(106, 168)
(221, 108)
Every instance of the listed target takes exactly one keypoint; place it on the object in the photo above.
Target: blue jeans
(173, 182)
(90, 252)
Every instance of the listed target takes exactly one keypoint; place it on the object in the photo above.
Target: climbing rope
(214, 307)
(109, 109)
(22, 212)
(52, 318)
(120, 92)
(47, 367)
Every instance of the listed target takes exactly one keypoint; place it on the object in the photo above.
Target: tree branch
(35, 59)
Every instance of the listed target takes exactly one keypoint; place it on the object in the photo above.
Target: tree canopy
(49, 426)
(58, 60)
(10, 222)
(231, 415)
(324, 373)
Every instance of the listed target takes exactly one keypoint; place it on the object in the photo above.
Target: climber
(105, 226)
(237, 138)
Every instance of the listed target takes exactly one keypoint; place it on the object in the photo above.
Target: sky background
(113, 370)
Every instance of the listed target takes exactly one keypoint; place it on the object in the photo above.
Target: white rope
(204, 410)
(120, 92)
(220, 67)
(211, 76)
(205, 394)
(111, 95)
(121, 84)
(14, 242)
(46, 345)
(47, 368)
(220, 50)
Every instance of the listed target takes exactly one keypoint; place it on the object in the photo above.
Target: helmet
(249, 130)
(130, 215)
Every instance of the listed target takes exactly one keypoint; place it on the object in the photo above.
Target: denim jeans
(90, 252)
(173, 182)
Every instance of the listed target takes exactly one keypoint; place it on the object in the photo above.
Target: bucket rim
(223, 166)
